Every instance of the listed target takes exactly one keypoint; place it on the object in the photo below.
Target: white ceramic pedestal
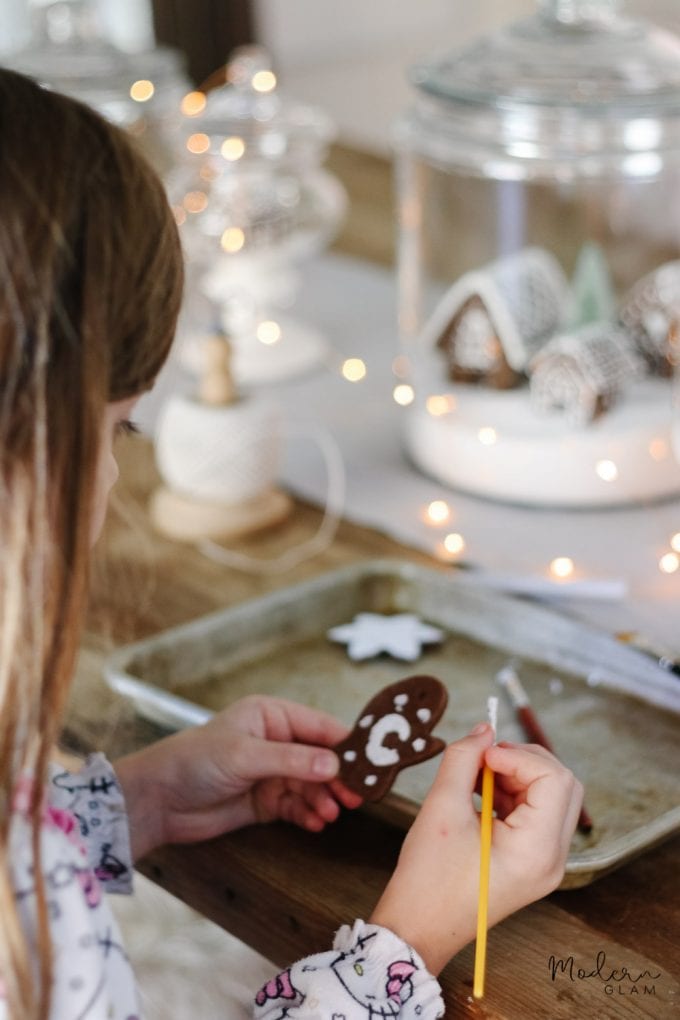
(494, 444)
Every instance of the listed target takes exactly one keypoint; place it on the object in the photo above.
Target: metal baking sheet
(590, 692)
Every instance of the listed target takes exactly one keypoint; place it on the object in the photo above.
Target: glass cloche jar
(539, 259)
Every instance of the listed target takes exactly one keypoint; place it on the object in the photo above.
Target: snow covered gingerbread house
(581, 374)
(650, 312)
(492, 321)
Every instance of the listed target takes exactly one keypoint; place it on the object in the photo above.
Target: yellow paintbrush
(484, 863)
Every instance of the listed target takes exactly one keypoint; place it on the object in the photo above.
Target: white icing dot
(350, 756)
(399, 701)
(418, 744)
(366, 722)
(370, 780)
(424, 714)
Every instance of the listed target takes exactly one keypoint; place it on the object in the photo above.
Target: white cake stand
(494, 444)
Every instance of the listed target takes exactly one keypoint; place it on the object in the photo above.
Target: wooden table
(284, 891)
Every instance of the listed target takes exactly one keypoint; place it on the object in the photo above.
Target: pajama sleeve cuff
(396, 964)
(369, 973)
(95, 798)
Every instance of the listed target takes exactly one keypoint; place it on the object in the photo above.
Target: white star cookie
(401, 636)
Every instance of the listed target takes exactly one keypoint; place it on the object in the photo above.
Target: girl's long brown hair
(90, 285)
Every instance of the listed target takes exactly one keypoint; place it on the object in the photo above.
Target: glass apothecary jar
(539, 259)
(255, 203)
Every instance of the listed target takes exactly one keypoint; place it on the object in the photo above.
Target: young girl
(90, 280)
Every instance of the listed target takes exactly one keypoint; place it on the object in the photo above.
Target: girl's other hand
(537, 804)
(259, 760)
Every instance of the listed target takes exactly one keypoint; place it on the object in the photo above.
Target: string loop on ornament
(321, 540)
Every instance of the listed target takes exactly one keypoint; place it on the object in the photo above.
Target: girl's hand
(259, 760)
(537, 803)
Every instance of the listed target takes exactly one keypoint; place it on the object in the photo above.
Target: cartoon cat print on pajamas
(380, 996)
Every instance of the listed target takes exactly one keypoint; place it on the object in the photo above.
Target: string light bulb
(607, 470)
(198, 143)
(658, 449)
(487, 436)
(268, 332)
(233, 148)
(669, 563)
(439, 404)
(403, 394)
(353, 369)
(561, 567)
(232, 240)
(142, 91)
(454, 543)
(193, 104)
(437, 512)
(264, 81)
(195, 201)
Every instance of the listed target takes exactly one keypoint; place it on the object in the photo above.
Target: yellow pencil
(484, 865)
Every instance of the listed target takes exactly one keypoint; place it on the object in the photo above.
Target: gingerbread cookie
(392, 732)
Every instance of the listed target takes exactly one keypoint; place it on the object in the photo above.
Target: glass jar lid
(575, 90)
(576, 53)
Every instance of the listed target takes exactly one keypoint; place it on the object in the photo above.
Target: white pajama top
(369, 973)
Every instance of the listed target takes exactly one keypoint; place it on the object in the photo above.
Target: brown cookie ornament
(392, 733)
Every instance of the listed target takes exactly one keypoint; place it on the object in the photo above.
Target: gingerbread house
(581, 374)
(649, 313)
(492, 321)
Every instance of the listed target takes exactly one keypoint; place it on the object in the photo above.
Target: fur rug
(185, 965)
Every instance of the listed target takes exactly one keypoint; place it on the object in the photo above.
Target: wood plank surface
(339, 876)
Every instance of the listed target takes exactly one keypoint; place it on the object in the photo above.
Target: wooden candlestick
(216, 386)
